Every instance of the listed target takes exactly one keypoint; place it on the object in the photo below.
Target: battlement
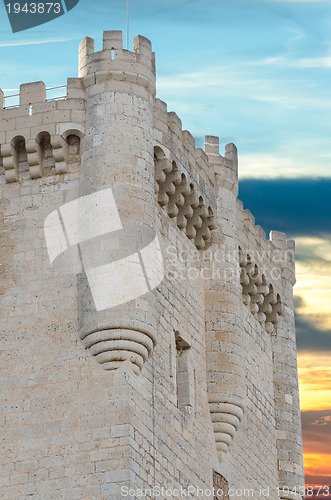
(137, 67)
(38, 129)
(268, 251)
(204, 166)
(32, 95)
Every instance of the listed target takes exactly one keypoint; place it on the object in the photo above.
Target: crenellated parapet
(186, 179)
(179, 145)
(38, 134)
(115, 63)
(261, 269)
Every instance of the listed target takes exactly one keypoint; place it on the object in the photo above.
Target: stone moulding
(226, 418)
(115, 342)
(112, 347)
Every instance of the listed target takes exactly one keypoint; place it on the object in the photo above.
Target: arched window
(20, 149)
(46, 150)
(73, 142)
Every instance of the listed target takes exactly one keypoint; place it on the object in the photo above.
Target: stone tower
(147, 324)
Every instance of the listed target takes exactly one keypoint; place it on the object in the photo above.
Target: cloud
(224, 80)
(309, 336)
(322, 420)
(314, 380)
(280, 164)
(316, 430)
(267, 61)
(308, 62)
(317, 473)
(317, 62)
(313, 287)
(299, 207)
(36, 42)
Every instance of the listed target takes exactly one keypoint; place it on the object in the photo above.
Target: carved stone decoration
(10, 162)
(181, 201)
(264, 304)
(60, 153)
(34, 158)
(226, 418)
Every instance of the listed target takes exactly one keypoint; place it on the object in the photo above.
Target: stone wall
(193, 381)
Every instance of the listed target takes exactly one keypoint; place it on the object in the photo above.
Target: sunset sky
(256, 73)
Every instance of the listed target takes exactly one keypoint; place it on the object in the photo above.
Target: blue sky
(256, 73)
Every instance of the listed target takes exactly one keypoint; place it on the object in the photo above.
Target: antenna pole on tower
(127, 24)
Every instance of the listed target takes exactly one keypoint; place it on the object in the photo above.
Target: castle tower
(147, 335)
(287, 404)
(225, 335)
(118, 152)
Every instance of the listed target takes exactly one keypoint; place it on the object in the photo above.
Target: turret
(118, 319)
(287, 404)
(225, 337)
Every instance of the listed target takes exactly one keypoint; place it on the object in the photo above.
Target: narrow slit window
(184, 375)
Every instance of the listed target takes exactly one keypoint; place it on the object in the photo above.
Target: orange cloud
(313, 272)
(318, 464)
(314, 380)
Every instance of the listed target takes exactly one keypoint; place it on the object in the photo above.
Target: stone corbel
(35, 159)
(10, 162)
(60, 153)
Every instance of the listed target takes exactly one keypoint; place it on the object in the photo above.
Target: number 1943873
(34, 8)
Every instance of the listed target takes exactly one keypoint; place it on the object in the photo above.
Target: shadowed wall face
(304, 213)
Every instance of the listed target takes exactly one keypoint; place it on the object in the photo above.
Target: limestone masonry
(194, 383)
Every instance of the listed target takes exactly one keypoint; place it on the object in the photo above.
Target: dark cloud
(316, 431)
(298, 207)
(312, 260)
(309, 336)
(312, 419)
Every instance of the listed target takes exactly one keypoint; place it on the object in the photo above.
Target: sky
(256, 73)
